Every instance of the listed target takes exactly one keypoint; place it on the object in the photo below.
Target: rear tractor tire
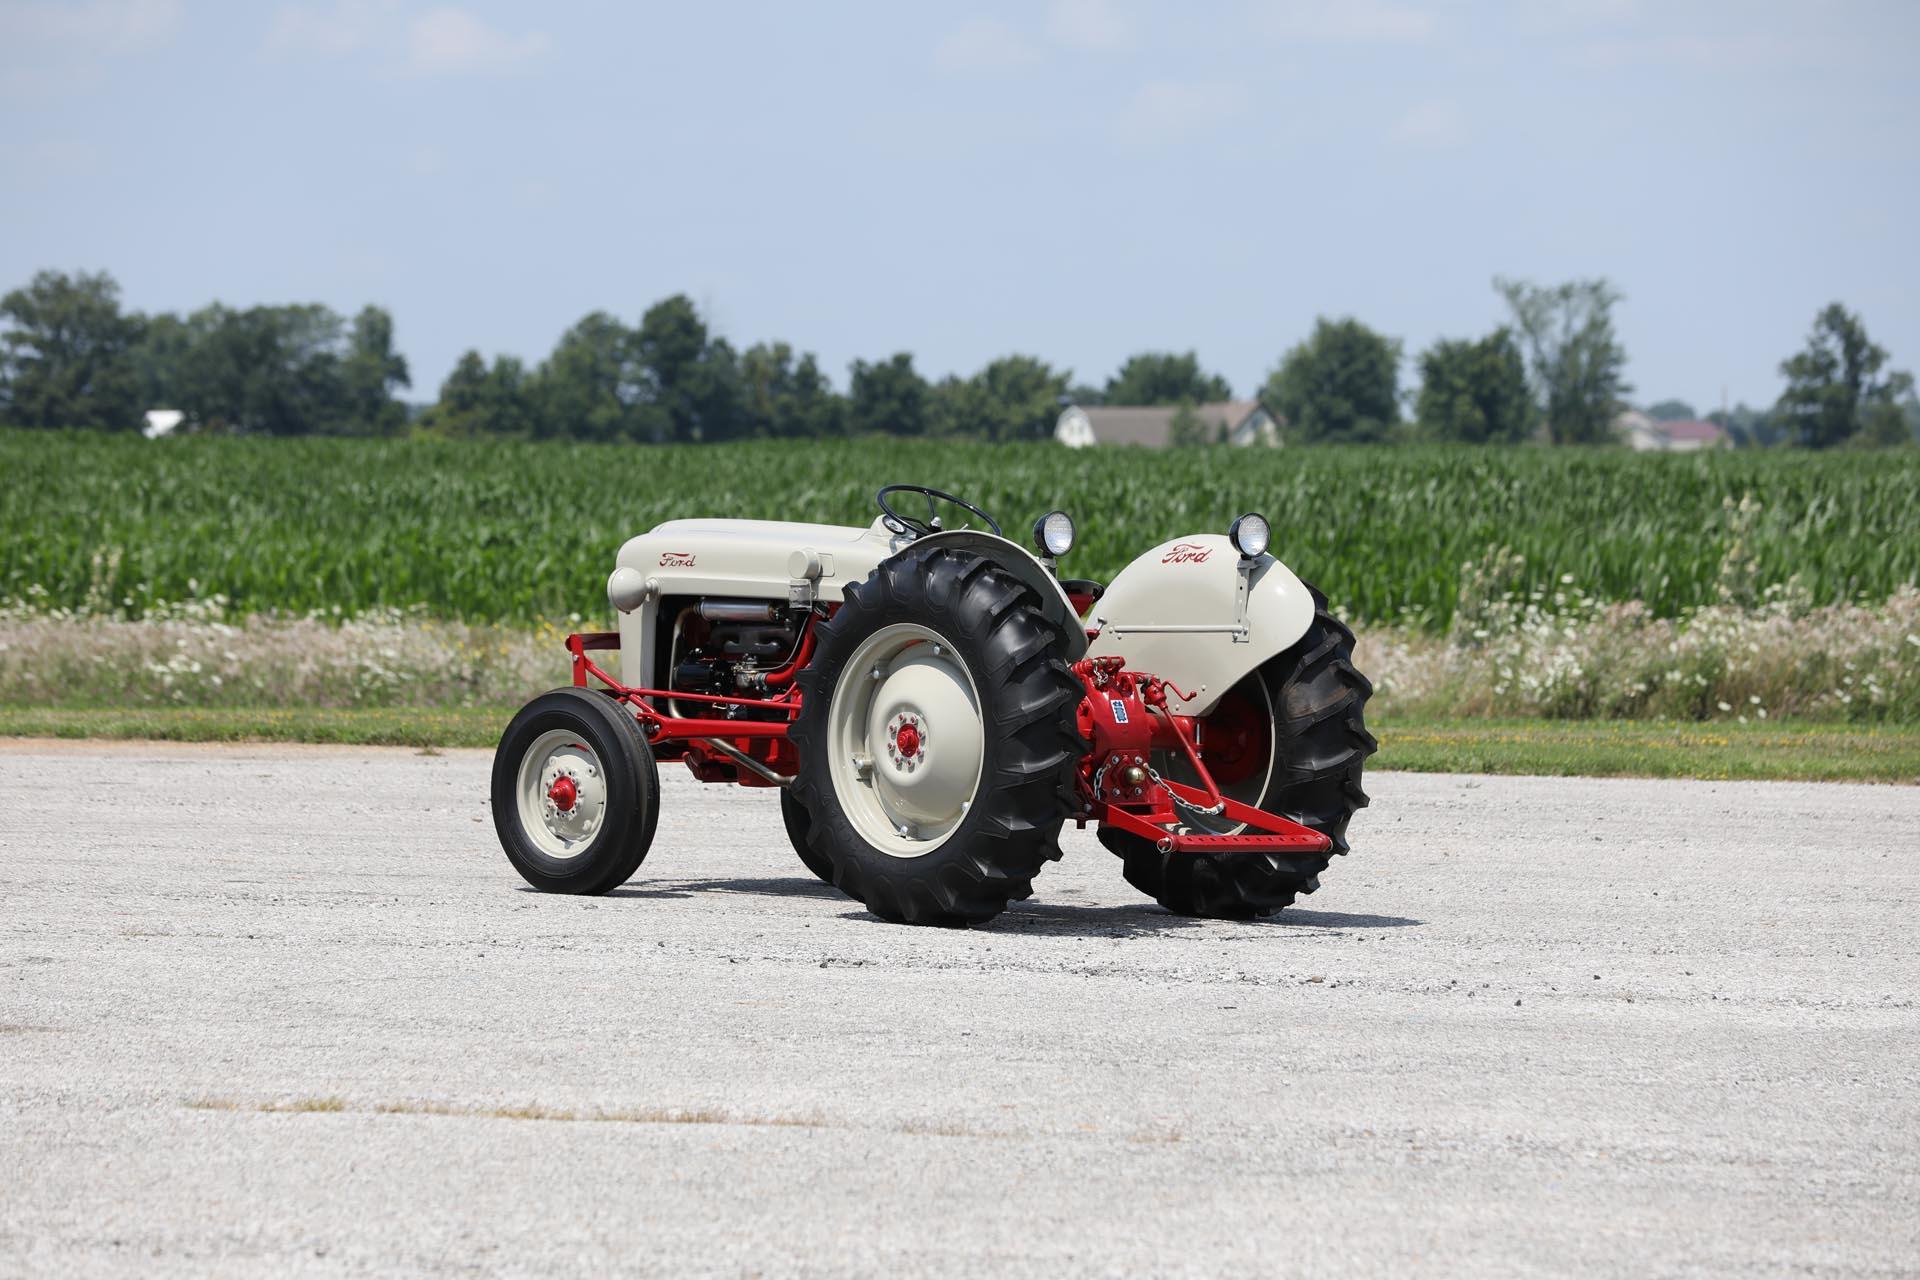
(798, 824)
(1294, 738)
(937, 740)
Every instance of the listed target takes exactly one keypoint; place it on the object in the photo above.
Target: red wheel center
(563, 794)
(908, 741)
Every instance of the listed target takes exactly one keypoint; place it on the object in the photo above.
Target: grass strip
(377, 727)
(1655, 749)
(1636, 749)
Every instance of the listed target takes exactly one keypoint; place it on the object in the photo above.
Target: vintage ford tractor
(935, 702)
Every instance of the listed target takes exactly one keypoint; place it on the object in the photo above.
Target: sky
(1074, 179)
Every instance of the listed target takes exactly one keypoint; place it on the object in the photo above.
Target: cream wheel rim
(561, 792)
(906, 740)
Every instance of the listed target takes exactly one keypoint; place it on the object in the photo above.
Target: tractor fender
(1022, 564)
(1177, 612)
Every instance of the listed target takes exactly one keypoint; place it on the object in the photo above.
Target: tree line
(70, 355)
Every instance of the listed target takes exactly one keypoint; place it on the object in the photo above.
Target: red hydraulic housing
(1123, 716)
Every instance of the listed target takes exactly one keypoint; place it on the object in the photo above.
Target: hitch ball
(1133, 776)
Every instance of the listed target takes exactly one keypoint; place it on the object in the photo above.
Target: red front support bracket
(1265, 833)
(1125, 717)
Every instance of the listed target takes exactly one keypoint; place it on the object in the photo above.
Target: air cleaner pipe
(741, 610)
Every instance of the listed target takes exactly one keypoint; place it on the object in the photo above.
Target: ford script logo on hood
(1186, 553)
(676, 559)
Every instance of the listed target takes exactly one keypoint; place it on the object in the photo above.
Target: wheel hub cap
(906, 733)
(562, 794)
(905, 787)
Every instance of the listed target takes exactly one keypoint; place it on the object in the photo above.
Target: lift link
(1124, 715)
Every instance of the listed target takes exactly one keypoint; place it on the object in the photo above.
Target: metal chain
(1188, 805)
(1153, 774)
(1100, 776)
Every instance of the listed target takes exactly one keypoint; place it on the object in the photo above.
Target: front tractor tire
(576, 793)
(1290, 739)
(937, 740)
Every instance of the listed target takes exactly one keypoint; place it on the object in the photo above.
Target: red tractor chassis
(1123, 715)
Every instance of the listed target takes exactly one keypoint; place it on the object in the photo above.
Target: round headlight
(1249, 534)
(1053, 533)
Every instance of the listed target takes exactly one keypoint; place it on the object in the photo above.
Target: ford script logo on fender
(676, 559)
(1185, 553)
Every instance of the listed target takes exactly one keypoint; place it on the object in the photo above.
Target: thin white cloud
(1169, 110)
(50, 50)
(450, 41)
(327, 30)
(1437, 124)
(984, 44)
(1582, 12)
(1089, 24)
(1356, 21)
(1736, 51)
(441, 41)
(94, 26)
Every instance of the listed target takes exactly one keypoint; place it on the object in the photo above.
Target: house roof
(1693, 429)
(1152, 425)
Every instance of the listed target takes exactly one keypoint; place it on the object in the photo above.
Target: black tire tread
(1028, 700)
(796, 819)
(1319, 699)
(618, 741)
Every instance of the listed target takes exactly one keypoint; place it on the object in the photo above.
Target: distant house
(1694, 433)
(1235, 421)
(1650, 435)
(161, 422)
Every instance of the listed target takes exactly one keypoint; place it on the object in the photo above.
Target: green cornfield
(487, 530)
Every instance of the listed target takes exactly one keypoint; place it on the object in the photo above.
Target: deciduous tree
(1187, 428)
(1165, 377)
(66, 354)
(1475, 391)
(782, 397)
(1340, 385)
(479, 401)
(1018, 398)
(1578, 363)
(1835, 390)
(371, 373)
(888, 397)
(589, 389)
(689, 377)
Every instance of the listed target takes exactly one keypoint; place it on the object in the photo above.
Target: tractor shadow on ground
(1146, 919)
(767, 887)
(630, 891)
(1037, 919)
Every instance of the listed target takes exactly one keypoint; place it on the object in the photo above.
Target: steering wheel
(921, 528)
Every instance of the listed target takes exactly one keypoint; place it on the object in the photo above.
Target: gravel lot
(288, 1010)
